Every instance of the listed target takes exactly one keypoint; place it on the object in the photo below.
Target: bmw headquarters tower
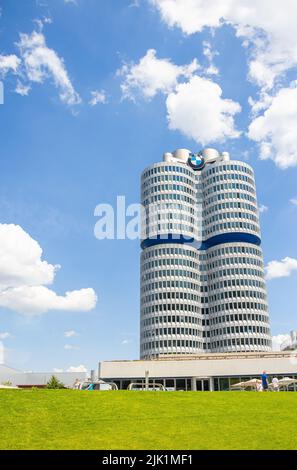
(202, 275)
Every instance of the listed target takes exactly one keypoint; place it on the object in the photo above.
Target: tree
(54, 383)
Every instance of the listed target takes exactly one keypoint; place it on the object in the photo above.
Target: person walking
(264, 381)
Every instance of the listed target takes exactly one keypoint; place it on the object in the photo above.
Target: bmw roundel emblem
(196, 161)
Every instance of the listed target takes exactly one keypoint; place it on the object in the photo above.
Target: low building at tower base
(205, 372)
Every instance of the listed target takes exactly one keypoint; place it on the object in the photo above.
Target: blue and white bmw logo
(196, 161)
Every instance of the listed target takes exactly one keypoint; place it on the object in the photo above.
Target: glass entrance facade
(222, 384)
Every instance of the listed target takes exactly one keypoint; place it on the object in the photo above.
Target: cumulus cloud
(98, 97)
(80, 368)
(272, 36)
(126, 341)
(263, 208)
(40, 63)
(294, 201)
(283, 268)
(70, 333)
(20, 259)
(35, 300)
(192, 15)
(270, 42)
(5, 335)
(134, 4)
(36, 63)
(197, 109)
(194, 103)
(276, 129)
(210, 54)
(41, 22)
(152, 75)
(9, 63)
(22, 89)
(24, 276)
(278, 340)
(71, 347)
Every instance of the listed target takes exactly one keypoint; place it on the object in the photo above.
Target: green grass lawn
(68, 419)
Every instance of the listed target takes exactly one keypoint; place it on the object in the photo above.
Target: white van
(98, 385)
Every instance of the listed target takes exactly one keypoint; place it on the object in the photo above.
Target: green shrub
(54, 383)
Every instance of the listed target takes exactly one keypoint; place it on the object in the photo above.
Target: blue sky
(62, 154)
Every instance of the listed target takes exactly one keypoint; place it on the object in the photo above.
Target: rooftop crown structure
(202, 273)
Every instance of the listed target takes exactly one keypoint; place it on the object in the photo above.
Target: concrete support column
(211, 384)
(193, 385)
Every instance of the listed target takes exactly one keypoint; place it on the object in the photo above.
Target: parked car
(150, 388)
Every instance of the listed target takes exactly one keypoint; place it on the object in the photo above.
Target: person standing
(264, 381)
(275, 384)
(259, 387)
(76, 384)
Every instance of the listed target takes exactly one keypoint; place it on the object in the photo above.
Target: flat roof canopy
(204, 365)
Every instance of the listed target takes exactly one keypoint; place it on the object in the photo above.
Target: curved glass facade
(171, 300)
(238, 310)
(202, 274)
(169, 197)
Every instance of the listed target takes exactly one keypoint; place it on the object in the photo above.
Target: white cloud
(276, 129)
(269, 26)
(152, 75)
(70, 333)
(134, 4)
(74, 2)
(197, 109)
(195, 105)
(263, 208)
(208, 51)
(210, 54)
(270, 42)
(211, 70)
(41, 22)
(192, 15)
(283, 268)
(40, 62)
(71, 347)
(5, 335)
(262, 103)
(9, 62)
(278, 340)
(20, 259)
(126, 341)
(24, 275)
(22, 89)
(80, 368)
(98, 97)
(34, 300)
(294, 201)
